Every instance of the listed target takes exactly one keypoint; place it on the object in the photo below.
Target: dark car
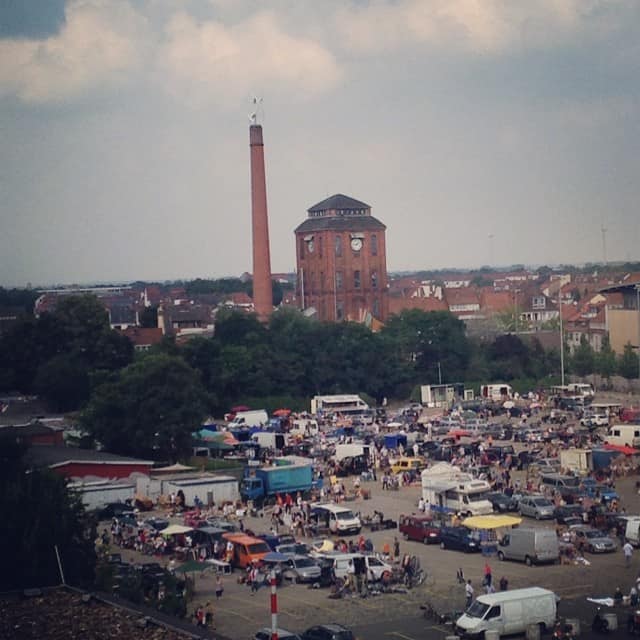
(283, 634)
(115, 510)
(157, 523)
(458, 539)
(502, 502)
(568, 512)
(328, 632)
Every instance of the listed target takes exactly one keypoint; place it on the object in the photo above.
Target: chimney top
(255, 135)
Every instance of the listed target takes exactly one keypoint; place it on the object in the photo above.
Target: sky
(480, 131)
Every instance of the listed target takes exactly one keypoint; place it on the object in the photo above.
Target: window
(376, 307)
(494, 612)
(302, 248)
(339, 310)
(338, 279)
(374, 280)
(321, 283)
(312, 281)
(374, 244)
(320, 243)
(338, 245)
(356, 279)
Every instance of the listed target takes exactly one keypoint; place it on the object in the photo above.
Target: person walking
(487, 575)
(468, 591)
(219, 587)
(628, 552)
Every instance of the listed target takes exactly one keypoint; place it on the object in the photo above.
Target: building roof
(47, 456)
(143, 336)
(349, 223)
(338, 201)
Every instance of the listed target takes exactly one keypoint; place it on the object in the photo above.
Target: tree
(606, 359)
(63, 382)
(151, 409)
(583, 360)
(41, 513)
(628, 365)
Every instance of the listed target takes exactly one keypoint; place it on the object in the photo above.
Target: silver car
(537, 507)
(593, 540)
(301, 569)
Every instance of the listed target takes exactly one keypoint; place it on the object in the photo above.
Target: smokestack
(262, 292)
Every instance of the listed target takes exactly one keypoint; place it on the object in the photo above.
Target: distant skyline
(481, 132)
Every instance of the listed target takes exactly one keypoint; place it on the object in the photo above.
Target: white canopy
(175, 529)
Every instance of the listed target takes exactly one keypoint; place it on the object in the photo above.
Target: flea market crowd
(532, 460)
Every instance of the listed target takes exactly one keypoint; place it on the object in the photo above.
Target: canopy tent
(628, 451)
(491, 522)
(175, 529)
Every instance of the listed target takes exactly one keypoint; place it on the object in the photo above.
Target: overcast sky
(479, 131)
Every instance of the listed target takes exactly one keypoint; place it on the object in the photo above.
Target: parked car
(157, 523)
(301, 569)
(421, 528)
(115, 510)
(283, 634)
(502, 502)
(593, 540)
(546, 465)
(458, 539)
(328, 632)
(294, 549)
(537, 507)
(569, 512)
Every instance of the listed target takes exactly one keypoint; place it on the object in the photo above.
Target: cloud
(490, 26)
(208, 61)
(100, 44)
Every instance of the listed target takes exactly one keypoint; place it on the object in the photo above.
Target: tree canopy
(149, 409)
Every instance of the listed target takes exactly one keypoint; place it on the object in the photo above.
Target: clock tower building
(341, 262)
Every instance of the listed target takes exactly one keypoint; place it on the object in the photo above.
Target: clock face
(310, 246)
(356, 244)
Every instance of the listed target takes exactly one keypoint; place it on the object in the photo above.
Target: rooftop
(339, 202)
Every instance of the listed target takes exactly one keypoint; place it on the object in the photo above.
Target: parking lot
(239, 614)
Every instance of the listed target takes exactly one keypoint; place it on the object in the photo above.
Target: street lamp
(439, 374)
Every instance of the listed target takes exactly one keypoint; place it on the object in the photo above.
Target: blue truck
(261, 483)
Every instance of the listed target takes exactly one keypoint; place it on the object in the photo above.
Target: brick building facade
(341, 262)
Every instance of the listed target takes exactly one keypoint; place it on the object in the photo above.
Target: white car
(594, 421)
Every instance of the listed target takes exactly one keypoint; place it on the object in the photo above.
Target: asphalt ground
(238, 614)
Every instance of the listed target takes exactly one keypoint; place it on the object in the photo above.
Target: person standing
(487, 574)
(468, 591)
(219, 587)
(628, 552)
(396, 548)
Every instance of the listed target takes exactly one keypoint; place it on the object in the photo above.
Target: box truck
(254, 418)
(262, 483)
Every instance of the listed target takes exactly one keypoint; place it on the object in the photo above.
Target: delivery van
(632, 530)
(509, 612)
(246, 549)
(374, 567)
(531, 546)
(337, 519)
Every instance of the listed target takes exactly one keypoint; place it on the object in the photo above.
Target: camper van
(624, 435)
(531, 546)
(496, 392)
(468, 497)
(509, 612)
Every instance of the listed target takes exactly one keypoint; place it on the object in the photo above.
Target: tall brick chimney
(262, 292)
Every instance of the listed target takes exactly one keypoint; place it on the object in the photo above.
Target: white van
(509, 612)
(632, 530)
(376, 568)
(253, 418)
(531, 546)
(624, 435)
(338, 519)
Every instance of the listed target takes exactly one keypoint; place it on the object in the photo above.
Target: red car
(422, 528)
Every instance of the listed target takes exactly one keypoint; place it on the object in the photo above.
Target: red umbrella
(282, 413)
(241, 407)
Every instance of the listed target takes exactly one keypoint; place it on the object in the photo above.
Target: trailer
(209, 489)
(96, 495)
(577, 460)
